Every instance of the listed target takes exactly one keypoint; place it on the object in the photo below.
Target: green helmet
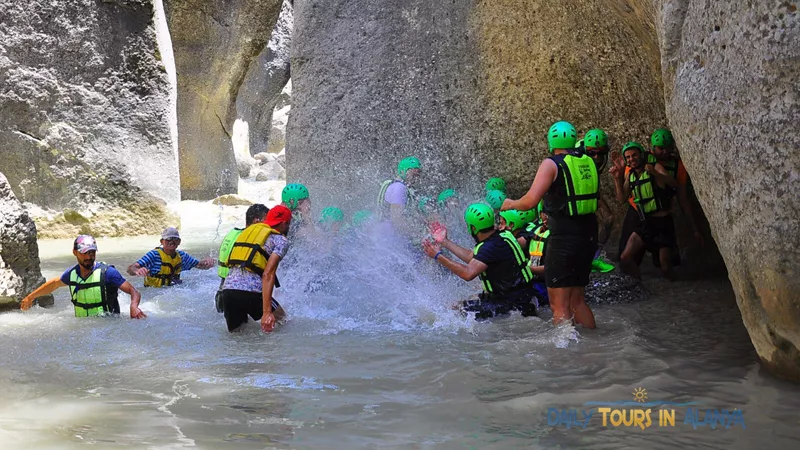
(444, 196)
(496, 184)
(630, 145)
(331, 214)
(562, 135)
(595, 138)
(514, 219)
(530, 215)
(406, 164)
(361, 217)
(495, 198)
(662, 137)
(425, 204)
(479, 216)
(293, 194)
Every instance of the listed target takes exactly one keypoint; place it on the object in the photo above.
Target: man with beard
(253, 266)
(93, 285)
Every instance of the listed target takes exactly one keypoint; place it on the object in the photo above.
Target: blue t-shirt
(152, 260)
(113, 277)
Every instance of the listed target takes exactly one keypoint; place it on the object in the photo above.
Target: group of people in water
(533, 251)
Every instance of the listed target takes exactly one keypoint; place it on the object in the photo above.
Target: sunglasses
(172, 241)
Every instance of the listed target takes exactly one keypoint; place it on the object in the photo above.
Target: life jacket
(248, 249)
(170, 272)
(645, 193)
(649, 159)
(91, 296)
(576, 188)
(537, 243)
(525, 275)
(225, 251)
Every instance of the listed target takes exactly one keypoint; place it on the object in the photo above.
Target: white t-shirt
(396, 194)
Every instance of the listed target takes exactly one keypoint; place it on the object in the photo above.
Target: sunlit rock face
(470, 87)
(19, 254)
(215, 42)
(84, 112)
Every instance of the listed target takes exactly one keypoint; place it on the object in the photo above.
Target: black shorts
(568, 259)
(657, 233)
(488, 306)
(237, 305)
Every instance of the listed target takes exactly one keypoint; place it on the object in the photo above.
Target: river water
(373, 357)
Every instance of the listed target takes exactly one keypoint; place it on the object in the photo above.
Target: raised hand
(438, 231)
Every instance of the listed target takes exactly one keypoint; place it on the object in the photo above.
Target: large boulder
(471, 86)
(730, 74)
(261, 91)
(84, 109)
(19, 254)
(215, 42)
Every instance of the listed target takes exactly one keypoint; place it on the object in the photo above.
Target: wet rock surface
(84, 106)
(20, 273)
(215, 43)
(612, 288)
(730, 72)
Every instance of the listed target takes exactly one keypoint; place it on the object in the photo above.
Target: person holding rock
(93, 286)
(162, 266)
(569, 185)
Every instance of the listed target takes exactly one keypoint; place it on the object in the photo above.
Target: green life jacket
(91, 296)
(646, 194)
(537, 243)
(225, 251)
(580, 190)
(522, 261)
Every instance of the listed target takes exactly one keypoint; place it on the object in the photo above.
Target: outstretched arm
(466, 272)
(47, 288)
(541, 183)
(206, 263)
(136, 297)
(137, 269)
(461, 253)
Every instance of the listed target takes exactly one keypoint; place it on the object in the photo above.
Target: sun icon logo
(640, 395)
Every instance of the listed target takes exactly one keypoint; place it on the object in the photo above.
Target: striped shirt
(152, 260)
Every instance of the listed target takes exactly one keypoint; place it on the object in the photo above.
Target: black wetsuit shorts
(237, 305)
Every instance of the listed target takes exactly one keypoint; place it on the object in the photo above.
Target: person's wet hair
(256, 213)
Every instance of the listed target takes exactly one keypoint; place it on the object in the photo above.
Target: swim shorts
(237, 305)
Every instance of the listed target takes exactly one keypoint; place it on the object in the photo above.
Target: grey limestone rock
(19, 253)
(730, 74)
(84, 106)
(215, 43)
